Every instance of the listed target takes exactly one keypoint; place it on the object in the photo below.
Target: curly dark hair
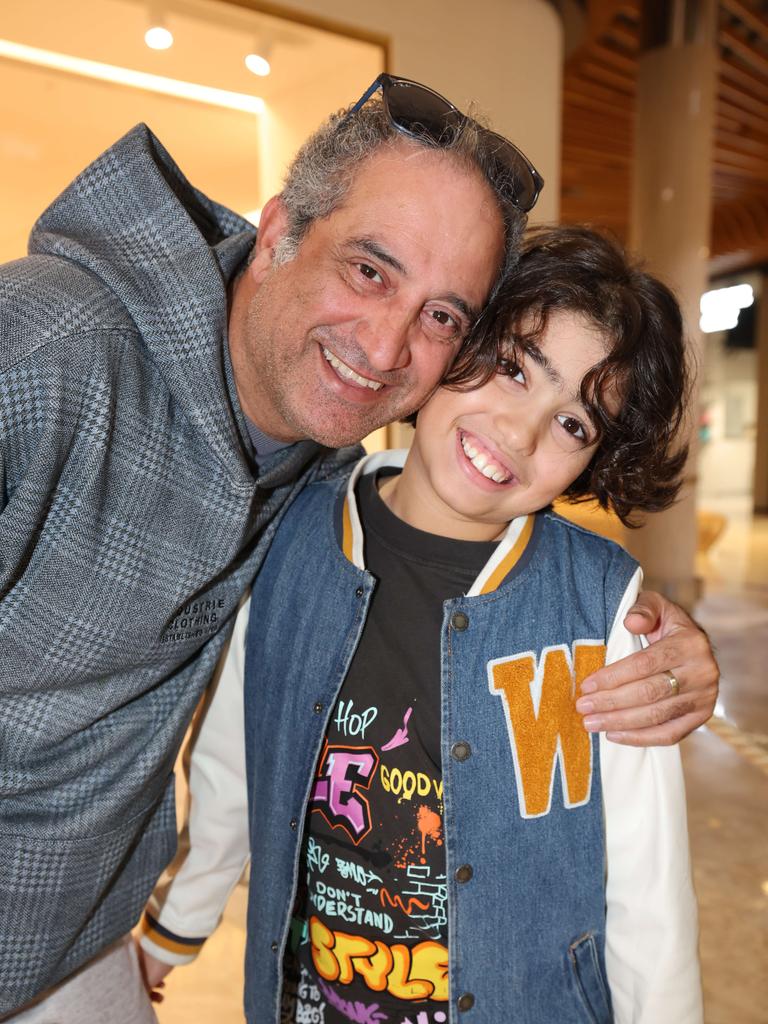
(639, 459)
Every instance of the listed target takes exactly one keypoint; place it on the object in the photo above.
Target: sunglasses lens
(416, 110)
(522, 183)
(419, 111)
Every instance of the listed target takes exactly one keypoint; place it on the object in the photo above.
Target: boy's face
(480, 458)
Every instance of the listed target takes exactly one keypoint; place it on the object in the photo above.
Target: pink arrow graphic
(401, 735)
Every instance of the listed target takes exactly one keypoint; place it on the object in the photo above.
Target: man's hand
(632, 701)
(153, 971)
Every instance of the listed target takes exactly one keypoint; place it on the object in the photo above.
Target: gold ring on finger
(674, 686)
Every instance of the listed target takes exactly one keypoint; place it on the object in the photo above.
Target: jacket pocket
(63, 901)
(590, 982)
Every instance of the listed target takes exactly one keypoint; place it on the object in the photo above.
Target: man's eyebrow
(472, 313)
(375, 251)
(370, 246)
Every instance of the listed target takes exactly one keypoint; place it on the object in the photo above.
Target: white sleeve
(651, 918)
(214, 844)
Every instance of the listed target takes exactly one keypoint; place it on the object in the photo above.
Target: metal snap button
(464, 873)
(465, 1002)
(461, 751)
(459, 621)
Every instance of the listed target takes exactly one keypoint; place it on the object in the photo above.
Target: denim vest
(523, 816)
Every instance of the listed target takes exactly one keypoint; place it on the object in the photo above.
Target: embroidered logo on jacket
(543, 724)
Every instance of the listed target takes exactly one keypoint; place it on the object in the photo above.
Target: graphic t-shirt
(370, 933)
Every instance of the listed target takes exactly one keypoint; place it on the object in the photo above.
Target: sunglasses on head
(424, 114)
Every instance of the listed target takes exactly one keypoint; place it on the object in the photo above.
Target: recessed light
(257, 65)
(158, 38)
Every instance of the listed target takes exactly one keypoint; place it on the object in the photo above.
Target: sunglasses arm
(368, 93)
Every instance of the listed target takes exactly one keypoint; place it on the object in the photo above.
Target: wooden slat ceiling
(598, 120)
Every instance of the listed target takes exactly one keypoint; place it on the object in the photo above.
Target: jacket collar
(508, 551)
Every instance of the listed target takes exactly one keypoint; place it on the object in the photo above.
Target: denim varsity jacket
(579, 907)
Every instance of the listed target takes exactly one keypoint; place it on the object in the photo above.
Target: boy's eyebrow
(375, 251)
(552, 373)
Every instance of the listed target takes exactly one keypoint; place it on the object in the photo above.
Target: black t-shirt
(370, 935)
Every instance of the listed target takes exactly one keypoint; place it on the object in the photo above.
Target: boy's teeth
(346, 371)
(483, 463)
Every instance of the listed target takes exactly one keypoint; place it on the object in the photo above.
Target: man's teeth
(346, 371)
(482, 462)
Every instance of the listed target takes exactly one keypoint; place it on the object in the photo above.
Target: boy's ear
(273, 225)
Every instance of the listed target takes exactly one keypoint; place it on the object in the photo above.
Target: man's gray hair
(324, 168)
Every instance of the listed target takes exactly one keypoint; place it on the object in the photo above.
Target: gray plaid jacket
(131, 521)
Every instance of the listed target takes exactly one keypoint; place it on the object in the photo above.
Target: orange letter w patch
(543, 724)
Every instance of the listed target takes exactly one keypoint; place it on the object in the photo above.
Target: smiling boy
(434, 835)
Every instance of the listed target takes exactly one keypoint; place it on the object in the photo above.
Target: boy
(468, 851)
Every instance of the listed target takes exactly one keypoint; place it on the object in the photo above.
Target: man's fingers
(657, 736)
(648, 717)
(630, 695)
(686, 649)
(651, 661)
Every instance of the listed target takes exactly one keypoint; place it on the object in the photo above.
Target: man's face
(359, 328)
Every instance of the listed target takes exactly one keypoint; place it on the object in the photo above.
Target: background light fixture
(257, 61)
(257, 64)
(158, 38)
(135, 79)
(720, 307)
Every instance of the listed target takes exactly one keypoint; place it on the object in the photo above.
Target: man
(145, 465)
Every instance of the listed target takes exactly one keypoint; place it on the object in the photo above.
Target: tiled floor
(727, 775)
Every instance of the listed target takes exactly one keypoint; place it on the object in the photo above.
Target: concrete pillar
(670, 228)
(760, 498)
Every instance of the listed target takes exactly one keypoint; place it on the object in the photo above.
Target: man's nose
(386, 341)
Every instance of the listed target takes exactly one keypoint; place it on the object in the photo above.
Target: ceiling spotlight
(257, 65)
(158, 38)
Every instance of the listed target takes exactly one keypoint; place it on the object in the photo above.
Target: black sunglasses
(422, 113)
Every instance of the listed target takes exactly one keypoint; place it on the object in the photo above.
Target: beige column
(671, 210)
(761, 448)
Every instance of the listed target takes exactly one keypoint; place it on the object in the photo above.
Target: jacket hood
(166, 252)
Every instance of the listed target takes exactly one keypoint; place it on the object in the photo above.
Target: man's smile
(349, 374)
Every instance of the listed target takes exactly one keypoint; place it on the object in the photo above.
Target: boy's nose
(520, 431)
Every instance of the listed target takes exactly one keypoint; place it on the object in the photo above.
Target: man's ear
(273, 225)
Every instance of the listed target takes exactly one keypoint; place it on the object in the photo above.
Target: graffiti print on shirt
(342, 774)
(545, 729)
(371, 924)
(403, 972)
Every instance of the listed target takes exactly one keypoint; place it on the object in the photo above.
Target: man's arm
(186, 909)
(651, 915)
(632, 701)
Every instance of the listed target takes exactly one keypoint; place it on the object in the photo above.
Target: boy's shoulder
(589, 542)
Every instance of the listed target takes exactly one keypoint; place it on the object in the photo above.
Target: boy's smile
(483, 463)
(480, 458)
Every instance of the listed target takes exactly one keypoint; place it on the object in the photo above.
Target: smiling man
(169, 386)
(375, 302)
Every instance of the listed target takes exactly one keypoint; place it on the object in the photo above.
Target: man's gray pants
(107, 990)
